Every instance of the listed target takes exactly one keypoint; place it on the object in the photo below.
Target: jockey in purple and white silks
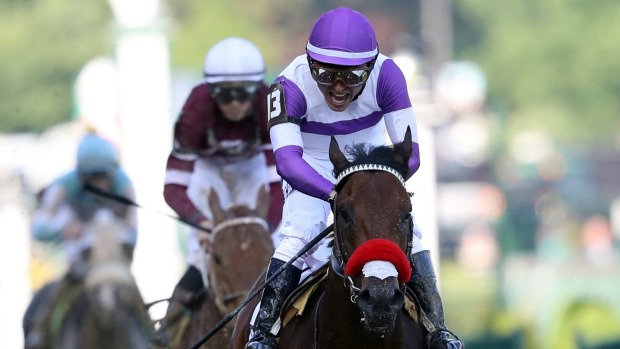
(341, 87)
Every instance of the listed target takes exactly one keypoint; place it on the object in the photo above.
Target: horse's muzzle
(380, 302)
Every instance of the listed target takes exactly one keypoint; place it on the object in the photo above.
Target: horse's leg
(33, 324)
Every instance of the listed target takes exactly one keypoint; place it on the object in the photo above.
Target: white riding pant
(304, 217)
(235, 183)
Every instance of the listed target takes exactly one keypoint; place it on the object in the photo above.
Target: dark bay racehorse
(372, 226)
(240, 251)
(103, 308)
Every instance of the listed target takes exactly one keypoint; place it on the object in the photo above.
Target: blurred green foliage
(44, 44)
(475, 308)
(551, 65)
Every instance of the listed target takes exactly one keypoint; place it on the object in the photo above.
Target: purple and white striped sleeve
(393, 99)
(288, 147)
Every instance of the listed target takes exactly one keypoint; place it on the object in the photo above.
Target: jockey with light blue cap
(66, 205)
(341, 87)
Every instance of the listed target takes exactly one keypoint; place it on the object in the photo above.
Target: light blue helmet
(96, 155)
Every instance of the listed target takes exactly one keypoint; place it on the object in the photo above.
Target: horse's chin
(380, 324)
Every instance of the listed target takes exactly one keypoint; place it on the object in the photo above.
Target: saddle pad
(297, 305)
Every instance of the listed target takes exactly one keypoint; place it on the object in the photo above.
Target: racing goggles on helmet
(226, 93)
(327, 75)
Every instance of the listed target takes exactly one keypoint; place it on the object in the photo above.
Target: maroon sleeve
(189, 140)
(190, 128)
(176, 197)
(175, 194)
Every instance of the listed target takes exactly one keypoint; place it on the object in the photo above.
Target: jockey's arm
(288, 146)
(131, 215)
(54, 216)
(178, 175)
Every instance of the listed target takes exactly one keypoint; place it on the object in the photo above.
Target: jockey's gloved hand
(441, 340)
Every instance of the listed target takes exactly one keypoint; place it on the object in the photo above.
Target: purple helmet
(343, 37)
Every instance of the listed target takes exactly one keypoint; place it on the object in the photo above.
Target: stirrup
(262, 341)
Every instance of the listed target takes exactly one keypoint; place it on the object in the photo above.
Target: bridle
(339, 256)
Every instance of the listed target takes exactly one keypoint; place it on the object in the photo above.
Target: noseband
(339, 257)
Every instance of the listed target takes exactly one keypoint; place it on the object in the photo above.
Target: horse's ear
(262, 202)
(404, 148)
(336, 156)
(216, 209)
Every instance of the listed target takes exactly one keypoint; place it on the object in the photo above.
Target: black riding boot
(274, 295)
(423, 283)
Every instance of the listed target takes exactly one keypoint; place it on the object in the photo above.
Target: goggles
(95, 176)
(226, 94)
(325, 75)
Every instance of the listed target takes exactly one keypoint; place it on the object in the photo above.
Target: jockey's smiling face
(339, 84)
(234, 98)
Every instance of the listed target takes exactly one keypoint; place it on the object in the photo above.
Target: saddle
(296, 302)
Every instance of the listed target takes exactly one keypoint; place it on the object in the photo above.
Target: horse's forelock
(107, 262)
(115, 272)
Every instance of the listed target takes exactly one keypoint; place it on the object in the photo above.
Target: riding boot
(186, 297)
(273, 298)
(423, 283)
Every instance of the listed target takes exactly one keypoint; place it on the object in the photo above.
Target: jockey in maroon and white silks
(212, 151)
(221, 143)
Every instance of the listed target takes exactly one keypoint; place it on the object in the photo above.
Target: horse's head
(241, 249)
(372, 224)
(109, 283)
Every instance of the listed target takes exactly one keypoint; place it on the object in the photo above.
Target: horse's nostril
(398, 297)
(364, 296)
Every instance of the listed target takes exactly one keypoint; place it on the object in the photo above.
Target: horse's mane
(364, 153)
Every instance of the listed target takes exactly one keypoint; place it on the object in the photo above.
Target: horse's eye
(217, 259)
